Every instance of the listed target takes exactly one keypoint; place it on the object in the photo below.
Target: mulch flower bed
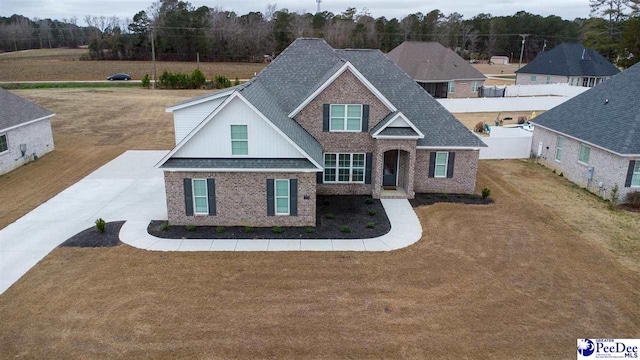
(93, 238)
(333, 214)
(430, 199)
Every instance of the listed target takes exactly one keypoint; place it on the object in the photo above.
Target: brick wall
(241, 199)
(610, 169)
(406, 173)
(38, 138)
(465, 170)
(541, 79)
(462, 89)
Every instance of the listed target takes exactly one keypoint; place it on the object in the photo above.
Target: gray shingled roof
(15, 110)
(190, 100)
(235, 163)
(398, 131)
(570, 59)
(430, 61)
(613, 125)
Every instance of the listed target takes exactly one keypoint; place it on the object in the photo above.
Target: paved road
(127, 188)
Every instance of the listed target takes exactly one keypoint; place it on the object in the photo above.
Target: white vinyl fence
(533, 103)
(507, 143)
(544, 90)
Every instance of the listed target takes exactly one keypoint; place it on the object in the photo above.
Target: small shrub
(370, 224)
(248, 229)
(486, 192)
(472, 196)
(371, 212)
(444, 196)
(190, 227)
(554, 171)
(330, 216)
(197, 79)
(220, 229)
(101, 225)
(146, 81)
(633, 199)
(345, 229)
(427, 197)
(236, 82)
(309, 230)
(561, 174)
(369, 201)
(614, 197)
(221, 82)
(460, 196)
(164, 227)
(277, 230)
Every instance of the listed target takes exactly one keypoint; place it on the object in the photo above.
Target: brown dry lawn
(91, 127)
(521, 278)
(471, 119)
(497, 69)
(64, 65)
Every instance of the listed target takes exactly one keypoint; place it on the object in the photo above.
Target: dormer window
(347, 117)
(239, 140)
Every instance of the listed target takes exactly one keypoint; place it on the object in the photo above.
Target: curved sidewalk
(405, 230)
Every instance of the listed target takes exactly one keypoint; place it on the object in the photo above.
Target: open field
(63, 65)
(91, 127)
(521, 278)
(471, 119)
(497, 69)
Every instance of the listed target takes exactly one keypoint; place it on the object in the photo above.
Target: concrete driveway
(127, 188)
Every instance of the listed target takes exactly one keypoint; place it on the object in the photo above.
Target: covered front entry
(390, 169)
(395, 174)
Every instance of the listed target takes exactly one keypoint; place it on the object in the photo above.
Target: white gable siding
(214, 139)
(186, 119)
(399, 122)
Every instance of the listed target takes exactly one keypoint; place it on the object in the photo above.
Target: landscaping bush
(277, 230)
(479, 128)
(330, 216)
(370, 224)
(236, 82)
(444, 196)
(472, 196)
(345, 229)
(460, 196)
(248, 229)
(369, 201)
(190, 227)
(309, 230)
(371, 212)
(101, 225)
(486, 192)
(561, 174)
(220, 229)
(164, 227)
(197, 79)
(633, 199)
(169, 80)
(614, 197)
(146, 82)
(221, 82)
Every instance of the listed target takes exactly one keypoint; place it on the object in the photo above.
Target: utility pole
(153, 57)
(524, 37)
(198, 60)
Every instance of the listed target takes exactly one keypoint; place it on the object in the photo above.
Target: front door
(390, 171)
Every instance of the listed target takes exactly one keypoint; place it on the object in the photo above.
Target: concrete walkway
(405, 230)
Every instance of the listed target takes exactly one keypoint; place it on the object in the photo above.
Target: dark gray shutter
(632, 165)
(450, 164)
(211, 192)
(319, 177)
(188, 197)
(432, 164)
(293, 197)
(271, 210)
(325, 117)
(367, 169)
(365, 118)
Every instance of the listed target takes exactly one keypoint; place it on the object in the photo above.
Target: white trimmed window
(345, 117)
(200, 197)
(452, 87)
(344, 168)
(534, 78)
(239, 140)
(635, 179)
(585, 153)
(559, 145)
(3, 143)
(442, 159)
(548, 79)
(475, 85)
(282, 196)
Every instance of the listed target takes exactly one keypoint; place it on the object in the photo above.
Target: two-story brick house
(316, 121)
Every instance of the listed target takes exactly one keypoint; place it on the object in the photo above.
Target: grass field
(471, 119)
(63, 65)
(521, 278)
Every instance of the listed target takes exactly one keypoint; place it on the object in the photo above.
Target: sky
(59, 9)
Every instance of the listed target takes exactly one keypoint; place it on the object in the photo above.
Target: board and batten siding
(186, 119)
(214, 139)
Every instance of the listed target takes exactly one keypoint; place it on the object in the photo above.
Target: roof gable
(16, 111)
(570, 59)
(607, 115)
(392, 123)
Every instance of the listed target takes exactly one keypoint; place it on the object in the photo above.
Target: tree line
(183, 32)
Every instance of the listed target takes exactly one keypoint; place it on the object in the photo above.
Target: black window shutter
(365, 118)
(271, 210)
(325, 117)
(293, 197)
(450, 164)
(211, 192)
(367, 169)
(632, 165)
(432, 164)
(188, 197)
(319, 177)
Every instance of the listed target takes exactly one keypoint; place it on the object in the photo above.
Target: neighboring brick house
(438, 69)
(316, 121)
(594, 138)
(25, 131)
(567, 63)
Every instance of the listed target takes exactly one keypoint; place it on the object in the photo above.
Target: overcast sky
(58, 9)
